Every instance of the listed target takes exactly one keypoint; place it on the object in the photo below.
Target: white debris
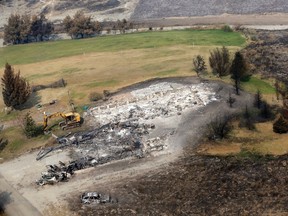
(163, 99)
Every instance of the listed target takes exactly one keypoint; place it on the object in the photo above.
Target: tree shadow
(5, 198)
(33, 100)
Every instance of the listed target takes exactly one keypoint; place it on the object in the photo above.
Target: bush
(281, 125)
(227, 28)
(220, 128)
(95, 96)
(106, 93)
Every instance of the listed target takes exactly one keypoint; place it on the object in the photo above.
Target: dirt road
(23, 171)
(13, 203)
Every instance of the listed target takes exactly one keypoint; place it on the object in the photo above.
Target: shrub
(281, 125)
(227, 28)
(106, 93)
(95, 96)
(220, 128)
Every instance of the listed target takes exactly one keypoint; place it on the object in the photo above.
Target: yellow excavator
(71, 120)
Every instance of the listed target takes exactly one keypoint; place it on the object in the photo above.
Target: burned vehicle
(94, 197)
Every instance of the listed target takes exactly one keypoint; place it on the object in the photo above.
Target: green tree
(15, 89)
(219, 61)
(199, 65)
(238, 70)
(30, 127)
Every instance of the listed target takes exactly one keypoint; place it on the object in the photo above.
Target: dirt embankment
(151, 9)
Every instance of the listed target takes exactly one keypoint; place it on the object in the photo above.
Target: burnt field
(147, 9)
(267, 54)
(201, 185)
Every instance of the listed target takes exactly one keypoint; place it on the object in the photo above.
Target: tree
(15, 89)
(21, 28)
(81, 26)
(40, 27)
(247, 120)
(12, 31)
(258, 99)
(30, 127)
(231, 100)
(199, 65)
(281, 125)
(238, 70)
(219, 61)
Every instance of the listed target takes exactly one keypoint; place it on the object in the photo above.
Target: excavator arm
(71, 119)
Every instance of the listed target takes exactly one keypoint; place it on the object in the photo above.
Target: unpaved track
(13, 203)
(23, 171)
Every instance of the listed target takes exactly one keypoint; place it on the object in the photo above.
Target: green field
(254, 84)
(37, 52)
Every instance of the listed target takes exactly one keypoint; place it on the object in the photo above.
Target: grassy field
(31, 53)
(108, 62)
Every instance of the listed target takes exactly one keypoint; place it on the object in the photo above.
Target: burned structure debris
(134, 124)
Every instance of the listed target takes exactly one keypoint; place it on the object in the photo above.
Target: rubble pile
(158, 100)
(62, 172)
(132, 126)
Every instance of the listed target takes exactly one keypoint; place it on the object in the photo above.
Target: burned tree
(199, 65)
(40, 27)
(238, 70)
(219, 128)
(81, 26)
(220, 61)
(15, 89)
(280, 125)
(258, 99)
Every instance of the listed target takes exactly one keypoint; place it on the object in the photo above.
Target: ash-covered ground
(142, 121)
(147, 9)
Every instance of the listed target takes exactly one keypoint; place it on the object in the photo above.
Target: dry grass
(110, 70)
(263, 140)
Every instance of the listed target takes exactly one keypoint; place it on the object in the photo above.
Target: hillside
(139, 10)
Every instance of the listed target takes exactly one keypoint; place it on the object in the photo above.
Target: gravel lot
(147, 9)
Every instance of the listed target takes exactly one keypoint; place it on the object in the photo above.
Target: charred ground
(203, 185)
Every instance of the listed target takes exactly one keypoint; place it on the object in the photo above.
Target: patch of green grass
(78, 95)
(253, 155)
(9, 117)
(254, 84)
(15, 145)
(106, 83)
(167, 72)
(37, 52)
